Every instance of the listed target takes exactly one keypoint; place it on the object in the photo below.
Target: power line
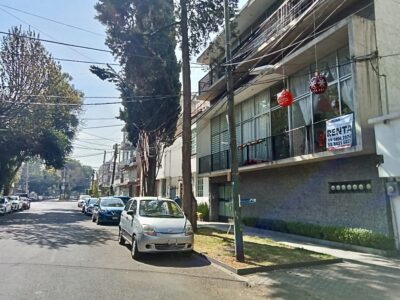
(97, 136)
(51, 20)
(106, 126)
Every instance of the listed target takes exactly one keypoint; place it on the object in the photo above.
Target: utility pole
(65, 181)
(113, 172)
(233, 145)
(27, 178)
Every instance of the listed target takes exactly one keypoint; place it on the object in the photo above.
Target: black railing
(300, 141)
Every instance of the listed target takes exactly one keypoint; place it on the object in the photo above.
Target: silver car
(16, 203)
(153, 225)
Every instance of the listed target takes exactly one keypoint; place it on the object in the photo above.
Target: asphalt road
(53, 251)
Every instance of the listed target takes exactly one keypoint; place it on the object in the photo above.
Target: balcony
(300, 141)
(274, 26)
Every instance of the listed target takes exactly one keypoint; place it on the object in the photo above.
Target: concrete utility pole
(27, 178)
(233, 145)
(113, 172)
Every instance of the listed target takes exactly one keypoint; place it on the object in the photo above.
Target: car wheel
(93, 218)
(134, 249)
(121, 239)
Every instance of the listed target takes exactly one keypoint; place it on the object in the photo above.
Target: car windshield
(159, 209)
(124, 199)
(112, 202)
(93, 201)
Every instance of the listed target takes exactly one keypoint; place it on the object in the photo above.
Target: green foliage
(141, 37)
(28, 74)
(204, 210)
(205, 17)
(354, 236)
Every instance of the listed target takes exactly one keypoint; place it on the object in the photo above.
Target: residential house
(314, 161)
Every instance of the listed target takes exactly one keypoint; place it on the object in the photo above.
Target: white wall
(387, 31)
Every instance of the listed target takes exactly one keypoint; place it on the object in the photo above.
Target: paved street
(52, 251)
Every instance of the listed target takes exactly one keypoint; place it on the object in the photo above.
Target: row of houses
(330, 158)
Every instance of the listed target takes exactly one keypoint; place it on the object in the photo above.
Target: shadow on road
(174, 260)
(52, 228)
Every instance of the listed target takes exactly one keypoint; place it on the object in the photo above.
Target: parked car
(16, 203)
(154, 225)
(108, 210)
(5, 205)
(81, 200)
(124, 199)
(89, 205)
(26, 203)
(84, 204)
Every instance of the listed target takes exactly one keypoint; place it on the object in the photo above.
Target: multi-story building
(169, 177)
(126, 180)
(298, 161)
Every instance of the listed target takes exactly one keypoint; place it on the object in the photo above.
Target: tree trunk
(188, 201)
(148, 158)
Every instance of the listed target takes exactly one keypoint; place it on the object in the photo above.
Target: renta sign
(339, 132)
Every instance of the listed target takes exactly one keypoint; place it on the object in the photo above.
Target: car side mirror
(130, 212)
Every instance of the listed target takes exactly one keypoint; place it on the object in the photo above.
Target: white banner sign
(339, 132)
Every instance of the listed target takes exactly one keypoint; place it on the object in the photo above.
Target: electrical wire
(106, 126)
(51, 20)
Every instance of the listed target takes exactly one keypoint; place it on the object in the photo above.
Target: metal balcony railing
(275, 25)
(300, 141)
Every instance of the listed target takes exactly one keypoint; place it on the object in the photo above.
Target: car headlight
(188, 229)
(149, 230)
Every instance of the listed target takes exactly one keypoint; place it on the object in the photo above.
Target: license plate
(172, 242)
(115, 218)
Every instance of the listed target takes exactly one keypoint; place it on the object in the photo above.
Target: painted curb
(253, 270)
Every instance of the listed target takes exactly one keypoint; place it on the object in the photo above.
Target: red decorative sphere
(285, 98)
(318, 84)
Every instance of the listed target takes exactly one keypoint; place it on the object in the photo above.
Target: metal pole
(233, 145)
(113, 172)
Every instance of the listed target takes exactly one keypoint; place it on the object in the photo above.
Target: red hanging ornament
(285, 98)
(318, 84)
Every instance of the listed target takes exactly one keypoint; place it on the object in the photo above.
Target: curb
(332, 244)
(252, 270)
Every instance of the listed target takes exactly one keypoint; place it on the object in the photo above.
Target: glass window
(194, 141)
(215, 125)
(224, 138)
(279, 120)
(326, 105)
(344, 61)
(261, 104)
(247, 110)
(248, 131)
(237, 114)
(159, 209)
(301, 112)
(262, 128)
(200, 183)
(299, 83)
(215, 144)
(346, 92)
(223, 122)
(274, 91)
(327, 67)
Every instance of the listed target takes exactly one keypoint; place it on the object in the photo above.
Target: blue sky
(78, 13)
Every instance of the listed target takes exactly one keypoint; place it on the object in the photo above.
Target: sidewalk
(360, 276)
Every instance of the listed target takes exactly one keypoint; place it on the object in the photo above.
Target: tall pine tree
(149, 76)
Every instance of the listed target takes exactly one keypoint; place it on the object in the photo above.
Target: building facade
(314, 161)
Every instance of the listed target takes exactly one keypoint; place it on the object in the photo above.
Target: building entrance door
(225, 210)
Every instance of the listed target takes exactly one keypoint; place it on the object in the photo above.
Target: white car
(152, 225)
(16, 203)
(5, 205)
(82, 199)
